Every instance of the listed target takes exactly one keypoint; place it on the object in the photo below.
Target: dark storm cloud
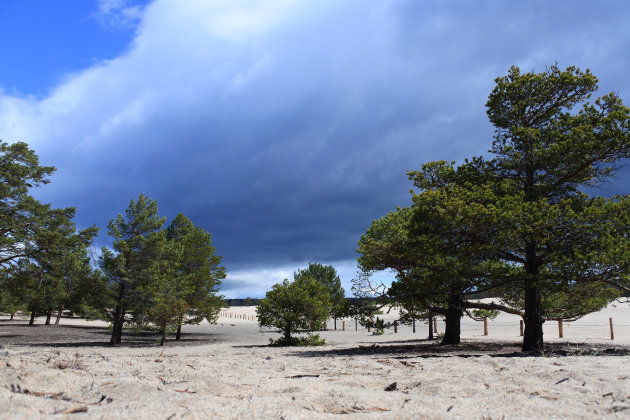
(286, 137)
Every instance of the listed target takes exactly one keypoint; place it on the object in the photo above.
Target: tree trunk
(59, 314)
(31, 322)
(112, 340)
(533, 335)
(49, 315)
(430, 327)
(12, 316)
(178, 335)
(120, 326)
(34, 308)
(453, 319)
(335, 323)
(117, 313)
(163, 332)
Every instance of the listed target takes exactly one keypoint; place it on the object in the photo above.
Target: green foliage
(42, 255)
(20, 213)
(133, 270)
(378, 326)
(307, 341)
(302, 304)
(518, 225)
(546, 151)
(327, 275)
(165, 312)
(480, 314)
(159, 277)
(192, 271)
(164, 278)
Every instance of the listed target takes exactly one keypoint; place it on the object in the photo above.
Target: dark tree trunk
(59, 315)
(178, 334)
(112, 340)
(414, 325)
(533, 335)
(163, 332)
(120, 326)
(335, 323)
(117, 314)
(49, 315)
(12, 316)
(453, 319)
(431, 328)
(31, 322)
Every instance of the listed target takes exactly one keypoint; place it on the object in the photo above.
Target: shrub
(302, 304)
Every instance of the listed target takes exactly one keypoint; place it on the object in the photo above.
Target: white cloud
(118, 14)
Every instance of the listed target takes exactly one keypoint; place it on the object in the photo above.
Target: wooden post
(435, 325)
(612, 333)
(485, 325)
(521, 324)
(560, 330)
(343, 325)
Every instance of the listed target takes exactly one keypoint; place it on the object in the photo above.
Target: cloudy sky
(284, 127)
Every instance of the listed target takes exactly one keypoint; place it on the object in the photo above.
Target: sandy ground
(228, 371)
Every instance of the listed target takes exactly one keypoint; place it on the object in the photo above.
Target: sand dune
(227, 371)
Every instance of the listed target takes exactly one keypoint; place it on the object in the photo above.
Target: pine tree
(545, 153)
(327, 275)
(291, 306)
(138, 243)
(196, 272)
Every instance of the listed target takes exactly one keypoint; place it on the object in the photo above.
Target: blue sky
(284, 127)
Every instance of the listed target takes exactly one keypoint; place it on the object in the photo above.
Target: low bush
(304, 341)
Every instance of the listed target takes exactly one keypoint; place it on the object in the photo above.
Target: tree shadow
(68, 336)
(429, 349)
(251, 346)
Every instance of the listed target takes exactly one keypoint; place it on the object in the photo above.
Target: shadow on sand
(424, 349)
(18, 333)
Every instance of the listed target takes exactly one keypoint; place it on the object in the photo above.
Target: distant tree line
(153, 277)
(242, 302)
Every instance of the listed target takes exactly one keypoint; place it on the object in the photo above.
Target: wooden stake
(521, 325)
(612, 333)
(485, 325)
(560, 330)
(343, 325)
(435, 325)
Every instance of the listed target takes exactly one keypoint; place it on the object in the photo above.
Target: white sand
(235, 375)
